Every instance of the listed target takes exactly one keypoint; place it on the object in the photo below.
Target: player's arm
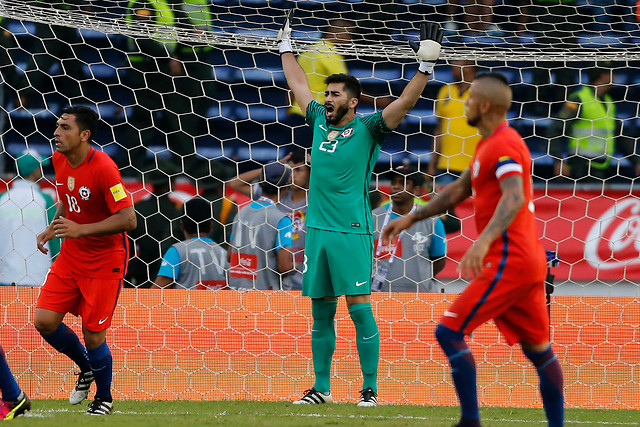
(508, 207)
(285, 260)
(449, 198)
(49, 232)
(428, 51)
(123, 220)
(162, 282)
(242, 183)
(438, 248)
(293, 72)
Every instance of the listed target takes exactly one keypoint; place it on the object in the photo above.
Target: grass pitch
(53, 413)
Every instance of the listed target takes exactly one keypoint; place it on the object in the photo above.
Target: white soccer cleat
(81, 390)
(313, 397)
(368, 398)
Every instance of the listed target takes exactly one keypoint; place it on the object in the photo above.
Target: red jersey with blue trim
(92, 192)
(504, 154)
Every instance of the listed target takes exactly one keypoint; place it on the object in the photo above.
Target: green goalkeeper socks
(368, 343)
(323, 341)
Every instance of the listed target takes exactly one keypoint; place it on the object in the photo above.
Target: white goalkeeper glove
(284, 34)
(428, 49)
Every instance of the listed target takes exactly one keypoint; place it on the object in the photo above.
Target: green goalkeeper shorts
(337, 263)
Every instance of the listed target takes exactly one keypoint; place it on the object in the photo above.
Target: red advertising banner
(596, 234)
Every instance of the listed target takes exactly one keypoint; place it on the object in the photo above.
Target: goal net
(193, 91)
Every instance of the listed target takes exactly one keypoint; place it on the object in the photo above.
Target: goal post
(200, 84)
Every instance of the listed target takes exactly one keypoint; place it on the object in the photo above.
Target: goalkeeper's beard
(338, 114)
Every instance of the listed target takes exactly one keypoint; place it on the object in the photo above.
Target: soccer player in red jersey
(507, 261)
(93, 217)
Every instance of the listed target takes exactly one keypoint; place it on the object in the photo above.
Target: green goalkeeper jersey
(342, 159)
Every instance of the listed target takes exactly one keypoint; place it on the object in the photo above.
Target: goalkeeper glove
(428, 49)
(284, 34)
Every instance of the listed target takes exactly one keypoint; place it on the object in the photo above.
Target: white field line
(43, 413)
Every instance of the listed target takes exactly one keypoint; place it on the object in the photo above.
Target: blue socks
(551, 384)
(102, 367)
(463, 370)
(10, 389)
(66, 342)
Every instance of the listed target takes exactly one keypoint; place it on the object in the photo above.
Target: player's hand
(43, 238)
(284, 34)
(65, 228)
(428, 49)
(471, 262)
(394, 228)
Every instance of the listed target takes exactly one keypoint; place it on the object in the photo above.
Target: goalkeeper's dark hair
(351, 84)
(493, 76)
(86, 118)
(198, 216)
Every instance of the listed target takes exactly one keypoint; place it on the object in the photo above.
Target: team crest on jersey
(84, 193)
(346, 133)
(475, 169)
(333, 134)
(71, 183)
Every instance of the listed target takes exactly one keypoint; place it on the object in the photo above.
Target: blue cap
(277, 174)
(28, 161)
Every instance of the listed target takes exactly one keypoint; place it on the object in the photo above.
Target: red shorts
(93, 299)
(519, 308)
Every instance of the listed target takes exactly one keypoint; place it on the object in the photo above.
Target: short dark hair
(351, 84)
(493, 76)
(268, 189)
(198, 216)
(298, 156)
(86, 117)
(596, 72)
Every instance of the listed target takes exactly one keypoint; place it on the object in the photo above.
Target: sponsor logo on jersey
(71, 183)
(118, 193)
(420, 240)
(346, 133)
(476, 168)
(333, 134)
(84, 193)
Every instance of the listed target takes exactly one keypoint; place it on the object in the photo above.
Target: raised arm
(293, 72)
(428, 50)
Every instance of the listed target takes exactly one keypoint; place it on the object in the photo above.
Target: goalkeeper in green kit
(339, 245)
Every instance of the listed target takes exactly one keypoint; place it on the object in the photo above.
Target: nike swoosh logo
(59, 183)
(360, 283)
(322, 127)
(368, 338)
(315, 330)
(100, 322)
(448, 313)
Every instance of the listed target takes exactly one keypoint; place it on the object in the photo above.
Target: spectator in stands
(210, 185)
(293, 203)
(25, 211)
(193, 78)
(318, 64)
(587, 124)
(158, 227)
(411, 262)
(455, 140)
(56, 44)
(149, 74)
(197, 262)
(13, 84)
(478, 17)
(260, 252)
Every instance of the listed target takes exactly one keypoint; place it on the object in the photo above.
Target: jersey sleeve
(285, 233)
(116, 195)
(314, 111)
(170, 266)
(377, 126)
(507, 166)
(438, 246)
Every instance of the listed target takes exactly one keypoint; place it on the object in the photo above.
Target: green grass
(52, 413)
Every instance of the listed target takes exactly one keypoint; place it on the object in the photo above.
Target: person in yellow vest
(324, 59)
(592, 131)
(148, 74)
(455, 140)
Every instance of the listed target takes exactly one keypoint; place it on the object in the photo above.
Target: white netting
(169, 90)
